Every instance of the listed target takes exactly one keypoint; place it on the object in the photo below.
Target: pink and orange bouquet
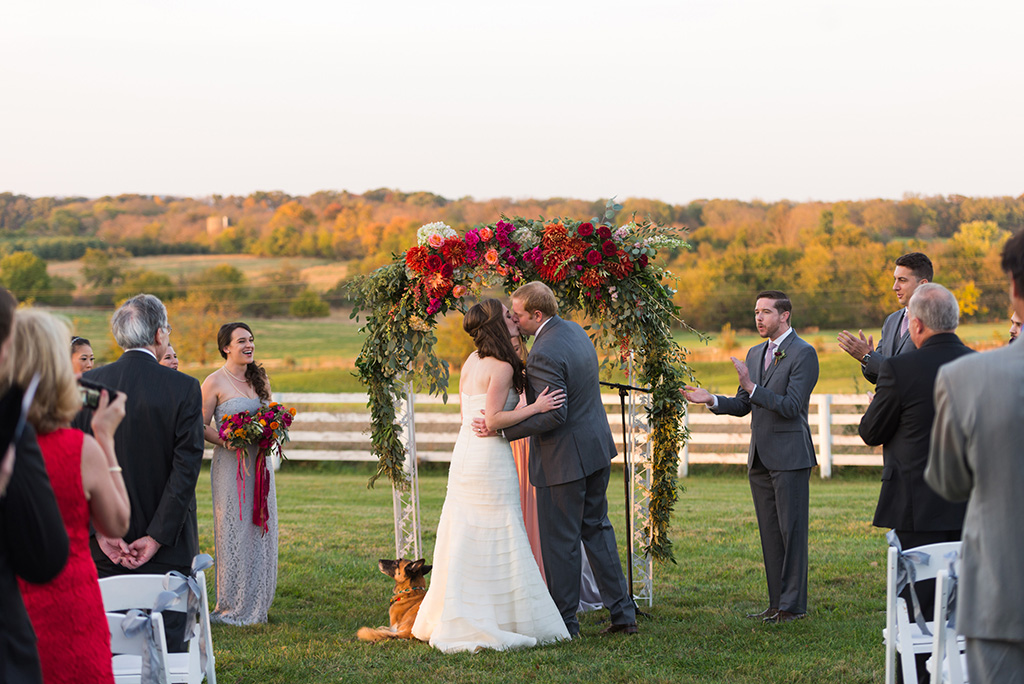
(267, 428)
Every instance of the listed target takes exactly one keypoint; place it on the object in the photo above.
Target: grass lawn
(333, 529)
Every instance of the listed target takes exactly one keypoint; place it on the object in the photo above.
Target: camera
(91, 393)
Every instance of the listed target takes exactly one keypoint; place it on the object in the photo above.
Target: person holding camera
(67, 612)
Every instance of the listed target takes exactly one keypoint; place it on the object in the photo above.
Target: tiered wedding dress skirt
(485, 589)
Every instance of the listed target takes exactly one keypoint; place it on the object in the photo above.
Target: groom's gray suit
(779, 462)
(570, 461)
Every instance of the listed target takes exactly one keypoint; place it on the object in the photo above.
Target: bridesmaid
(246, 554)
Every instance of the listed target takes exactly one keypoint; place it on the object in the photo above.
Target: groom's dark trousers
(570, 458)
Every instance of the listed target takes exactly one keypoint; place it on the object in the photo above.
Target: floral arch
(603, 272)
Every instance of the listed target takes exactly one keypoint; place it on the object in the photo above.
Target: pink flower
(433, 307)
(472, 238)
(435, 241)
(458, 291)
(486, 234)
(491, 257)
(594, 257)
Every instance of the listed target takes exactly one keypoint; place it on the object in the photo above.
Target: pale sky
(673, 100)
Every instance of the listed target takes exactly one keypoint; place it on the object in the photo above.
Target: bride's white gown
(485, 588)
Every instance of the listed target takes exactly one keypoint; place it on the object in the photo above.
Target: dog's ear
(426, 569)
(415, 569)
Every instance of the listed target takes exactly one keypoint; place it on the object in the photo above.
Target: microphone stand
(623, 393)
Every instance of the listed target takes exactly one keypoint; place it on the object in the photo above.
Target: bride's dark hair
(485, 323)
(255, 375)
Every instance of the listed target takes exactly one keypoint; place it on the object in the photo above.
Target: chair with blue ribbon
(948, 663)
(147, 597)
(904, 634)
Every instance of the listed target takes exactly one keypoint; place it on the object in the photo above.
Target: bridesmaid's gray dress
(246, 557)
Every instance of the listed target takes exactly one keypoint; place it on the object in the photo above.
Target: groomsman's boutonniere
(779, 355)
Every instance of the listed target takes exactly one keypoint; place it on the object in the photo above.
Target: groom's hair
(537, 296)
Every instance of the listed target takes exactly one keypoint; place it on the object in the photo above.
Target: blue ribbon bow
(153, 669)
(906, 575)
(190, 584)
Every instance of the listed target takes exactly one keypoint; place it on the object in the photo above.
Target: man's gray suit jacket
(573, 441)
(779, 431)
(890, 344)
(975, 455)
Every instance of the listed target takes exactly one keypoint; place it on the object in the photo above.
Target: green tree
(149, 282)
(223, 281)
(24, 274)
(309, 305)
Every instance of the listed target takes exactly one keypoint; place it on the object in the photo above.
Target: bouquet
(267, 429)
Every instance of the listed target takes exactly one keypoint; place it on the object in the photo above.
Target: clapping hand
(856, 347)
(697, 395)
(744, 374)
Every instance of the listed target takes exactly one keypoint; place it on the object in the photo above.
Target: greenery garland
(605, 273)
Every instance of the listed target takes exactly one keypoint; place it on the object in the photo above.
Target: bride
(486, 590)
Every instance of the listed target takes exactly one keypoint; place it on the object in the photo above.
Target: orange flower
(458, 291)
(491, 257)
(274, 425)
(486, 234)
(292, 411)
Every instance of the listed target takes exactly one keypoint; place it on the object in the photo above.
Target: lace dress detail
(485, 590)
(246, 563)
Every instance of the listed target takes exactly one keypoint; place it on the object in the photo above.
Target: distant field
(321, 274)
(318, 355)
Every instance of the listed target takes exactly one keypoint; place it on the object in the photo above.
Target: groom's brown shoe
(765, 614)
(624, 629)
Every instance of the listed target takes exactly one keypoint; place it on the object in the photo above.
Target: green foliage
(222, 281)
(24, 274)
(149, 282)
(612, 284)
(309, 305)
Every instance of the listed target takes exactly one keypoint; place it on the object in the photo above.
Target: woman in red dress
(67, 612)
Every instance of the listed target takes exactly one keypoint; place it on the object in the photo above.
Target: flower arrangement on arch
(267, 429)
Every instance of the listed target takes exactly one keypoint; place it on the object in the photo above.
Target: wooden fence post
(824, 402)
(683, 470)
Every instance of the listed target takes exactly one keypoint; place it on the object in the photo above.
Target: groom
(570, 460)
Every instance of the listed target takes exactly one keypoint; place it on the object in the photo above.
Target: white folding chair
(902, 634)
(128, 650)
(948, 663)
(124, 592)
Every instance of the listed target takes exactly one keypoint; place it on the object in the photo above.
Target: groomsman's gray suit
(890, 344)
(976, 456)
(570, 458)
(779, 462)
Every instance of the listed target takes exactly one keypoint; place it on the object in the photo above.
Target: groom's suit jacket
(890, 344)
(160, 447)
(575, 440)
(975, 455)
(779, 432)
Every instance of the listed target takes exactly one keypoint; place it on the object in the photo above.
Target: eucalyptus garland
(605, 273)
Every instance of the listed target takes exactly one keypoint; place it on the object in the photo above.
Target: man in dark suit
(912, 270)
(33, 541)
(900, 418)
(570, 461)
(159, 445)
(775, 386)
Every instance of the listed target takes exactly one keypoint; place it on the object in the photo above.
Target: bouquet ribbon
(260, 490)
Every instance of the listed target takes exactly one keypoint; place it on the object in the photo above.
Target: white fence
(335, 427)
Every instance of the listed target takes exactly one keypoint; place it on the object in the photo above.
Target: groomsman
(975, 455)
(912, 270)
(775, 388)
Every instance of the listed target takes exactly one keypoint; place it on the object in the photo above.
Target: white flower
(526, 236)
(436, 228)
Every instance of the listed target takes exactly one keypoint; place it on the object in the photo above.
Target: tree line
(833, 258)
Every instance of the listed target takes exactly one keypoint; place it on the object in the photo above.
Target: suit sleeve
(543, 372)
(870, 368)
(734, 406)
(33, 527)
(803, 376)
(948, 471)
(882, 418)
(181, 485)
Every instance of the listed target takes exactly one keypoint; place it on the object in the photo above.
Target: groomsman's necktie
(769, 354)
(905, 325)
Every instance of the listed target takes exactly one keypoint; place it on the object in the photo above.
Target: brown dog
(410, 587)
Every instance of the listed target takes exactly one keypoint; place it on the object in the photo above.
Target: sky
(674, 100)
